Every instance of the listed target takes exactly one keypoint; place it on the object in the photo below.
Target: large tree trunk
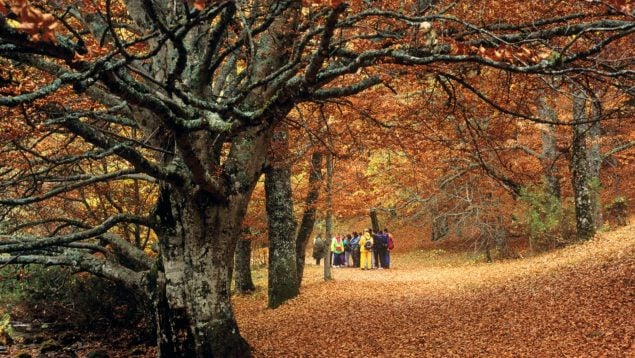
(581, 180)
(198, 231)
(193, 309)
(310, 210)
(283, 279)
(242, 259)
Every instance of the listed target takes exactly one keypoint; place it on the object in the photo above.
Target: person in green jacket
(337, 247)
(365, 250)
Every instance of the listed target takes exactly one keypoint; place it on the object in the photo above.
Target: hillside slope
(579, 301)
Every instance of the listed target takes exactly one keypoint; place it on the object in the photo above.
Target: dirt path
(579, 301)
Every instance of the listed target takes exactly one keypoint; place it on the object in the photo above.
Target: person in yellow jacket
(364, 252)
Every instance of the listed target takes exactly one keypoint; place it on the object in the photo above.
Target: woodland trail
(578, 301)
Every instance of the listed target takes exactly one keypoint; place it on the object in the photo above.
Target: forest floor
(578, 301)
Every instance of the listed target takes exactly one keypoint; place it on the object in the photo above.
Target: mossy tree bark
(193, 308)
(283, 280)
(581, 179)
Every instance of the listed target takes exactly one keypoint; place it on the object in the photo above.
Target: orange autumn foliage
(39, 25)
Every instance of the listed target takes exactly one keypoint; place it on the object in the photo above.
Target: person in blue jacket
(354, 244)
(379, 249)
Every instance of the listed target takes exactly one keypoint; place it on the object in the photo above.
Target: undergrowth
(66, 300)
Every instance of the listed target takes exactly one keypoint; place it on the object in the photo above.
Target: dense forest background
(161, 159)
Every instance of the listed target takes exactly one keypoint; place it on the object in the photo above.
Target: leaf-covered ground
(579, 301)
(575, 302)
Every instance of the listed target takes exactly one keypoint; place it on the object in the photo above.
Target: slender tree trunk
(193, 310)
(242, 259)
(595, 160)
(283, 273)
(501, 239)
(374, 221)
(310, 210)
(488, 254)
(580, 172)
(328, 220)
(549, 149)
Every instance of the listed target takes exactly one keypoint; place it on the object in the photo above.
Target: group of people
(365, 250)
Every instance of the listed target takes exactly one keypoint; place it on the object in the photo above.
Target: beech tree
(283, 279)
(310, 211)
(242, 271)
(184, 96)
